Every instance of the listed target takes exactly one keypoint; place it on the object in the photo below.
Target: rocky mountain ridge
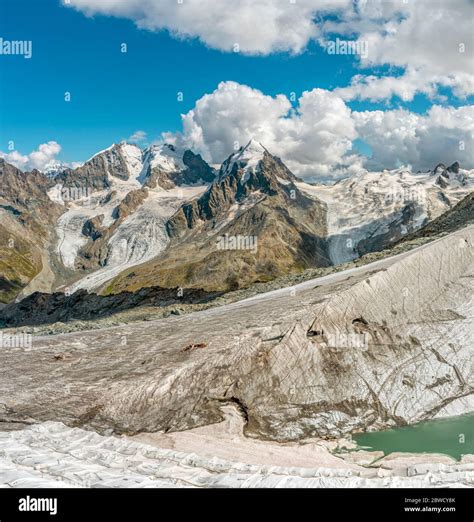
(27, 220)
(130, 218)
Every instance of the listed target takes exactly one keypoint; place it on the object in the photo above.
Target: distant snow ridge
(54, 168)
(387, 204)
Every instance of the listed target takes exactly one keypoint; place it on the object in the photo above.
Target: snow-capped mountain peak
(166, 157)
(253, 148)
(439, 169)
(122, 162)
(246, 158)
(133, 156)
(451, 176)
(251, 154)
(53, 168)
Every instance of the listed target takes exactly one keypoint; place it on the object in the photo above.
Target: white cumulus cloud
(138, 136)
(399, 137)
(255, 26)
(429, 41)
(313, 138)
(39, 159)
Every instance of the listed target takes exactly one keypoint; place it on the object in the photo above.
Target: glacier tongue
(140, 237)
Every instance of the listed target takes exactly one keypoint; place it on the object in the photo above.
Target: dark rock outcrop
(39, 308)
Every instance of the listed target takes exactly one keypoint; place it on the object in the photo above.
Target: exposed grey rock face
(460, 216)
(445, 176)
(196, 169)
(381, 345)
(94, 173)
(252, 169)
(120, 161)
(22, 190)
(27, 217)
(93, 227)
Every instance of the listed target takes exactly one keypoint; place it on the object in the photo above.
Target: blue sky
(113, 94)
